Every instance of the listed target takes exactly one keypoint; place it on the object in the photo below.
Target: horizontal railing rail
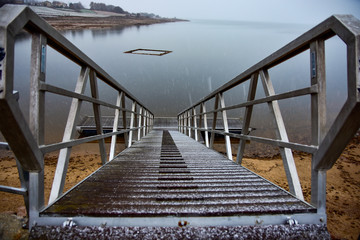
(325, 147)
(27, 138)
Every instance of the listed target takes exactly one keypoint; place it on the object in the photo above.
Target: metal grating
(169, 174)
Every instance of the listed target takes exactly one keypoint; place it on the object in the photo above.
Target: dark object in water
(152, 52)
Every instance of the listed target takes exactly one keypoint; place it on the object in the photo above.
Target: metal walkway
(168, 179)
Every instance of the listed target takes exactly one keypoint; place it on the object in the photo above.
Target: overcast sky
(294, 11)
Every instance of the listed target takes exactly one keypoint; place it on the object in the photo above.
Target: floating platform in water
(152, 52)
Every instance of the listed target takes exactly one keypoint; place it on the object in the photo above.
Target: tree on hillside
(76, 6)
(107, 8)
(118, 10)
(3, 2)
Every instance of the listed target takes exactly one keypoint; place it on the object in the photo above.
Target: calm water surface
(206, 54)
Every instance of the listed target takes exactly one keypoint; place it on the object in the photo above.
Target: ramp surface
(169, 174)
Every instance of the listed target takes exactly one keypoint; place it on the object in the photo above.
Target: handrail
(26, 138)
(325, 147)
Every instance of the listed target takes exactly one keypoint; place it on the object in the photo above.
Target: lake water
(205, 55)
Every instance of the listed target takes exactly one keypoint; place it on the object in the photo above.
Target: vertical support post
(226, 127)
(216, 105)
(182, 123)
(203, 109)
(149, 122)
(123, 106)
(318, 121)
(97, 114)
(247, 117)
(144, 122)
(188, 119)
(152, 121)
(36, 119)
(140, 117)
(115, 127)
(64, 155)
(24, 181)
(132, 118)
(37, 97)
(353, 69)
(7, 43)
(135, 121)
(195, 124)
(286, 153)
(185, 122)
(200, 118)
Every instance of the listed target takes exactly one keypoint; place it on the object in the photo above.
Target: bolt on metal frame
(325, 147)
(26, 139)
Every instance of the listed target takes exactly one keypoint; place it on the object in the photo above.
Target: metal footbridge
(168, 179)
(169, 182)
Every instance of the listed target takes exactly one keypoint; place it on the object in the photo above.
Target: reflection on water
(206, 54)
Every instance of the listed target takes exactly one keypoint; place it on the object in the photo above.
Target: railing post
(203, 111)
(286, 153)
(64, 154)
(124, 120)
(7, 42)
(136, 120)
(247, 117)
(144, 122)
(179, 122)
(182, 123)
(185, 123)
(318, 121)
(226, 127)
(140, 117)
(150, 122)
(216, 105)
(37, 97)
(189, 122)
(132, 118)
(147, 122)
(195, 124)
(97, 114)
(36, 119)
(115, 126)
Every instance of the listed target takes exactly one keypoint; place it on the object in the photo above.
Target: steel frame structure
(26, 139)
(325, 147)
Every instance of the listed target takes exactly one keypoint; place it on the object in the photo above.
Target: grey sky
(295, 11)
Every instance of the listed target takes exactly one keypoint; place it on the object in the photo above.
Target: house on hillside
(58, 4)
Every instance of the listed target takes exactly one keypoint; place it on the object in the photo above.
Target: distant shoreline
(67, 19)
(77, 22)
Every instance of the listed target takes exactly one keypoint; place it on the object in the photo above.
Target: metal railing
(26, 138)
(325, 147)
